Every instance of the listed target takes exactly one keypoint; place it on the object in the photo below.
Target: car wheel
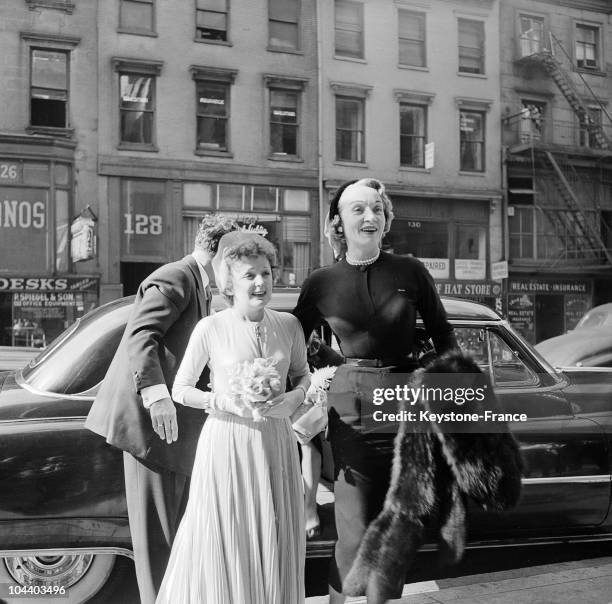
(80, 575)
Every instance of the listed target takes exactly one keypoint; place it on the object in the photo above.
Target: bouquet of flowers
(310, 418)
(255, 382)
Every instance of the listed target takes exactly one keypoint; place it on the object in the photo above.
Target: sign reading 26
(143, 224)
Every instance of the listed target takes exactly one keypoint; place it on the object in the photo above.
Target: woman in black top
(370, 299)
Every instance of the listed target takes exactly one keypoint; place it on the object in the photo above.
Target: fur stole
(435, 470)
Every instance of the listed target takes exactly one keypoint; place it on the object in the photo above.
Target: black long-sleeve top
(372, 310)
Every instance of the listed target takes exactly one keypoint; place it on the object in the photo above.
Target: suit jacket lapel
(203, 299)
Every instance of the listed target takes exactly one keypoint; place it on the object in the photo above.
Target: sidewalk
(583, 582)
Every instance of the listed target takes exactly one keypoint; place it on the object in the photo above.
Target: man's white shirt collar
(203, 273)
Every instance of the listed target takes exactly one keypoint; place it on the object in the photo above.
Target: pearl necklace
(365, 262)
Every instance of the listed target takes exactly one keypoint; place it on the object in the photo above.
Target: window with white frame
(212, 20)
(137, 108)
(213, 92)
(350, 129)
(413, 134)
(531, 37)
(137, 16)
(283, 24)
(284, 122)
(212, 115)
(471, 46)
(472, 141)
(411, 26)
(587, 46)
(49, 91)
(349, 29)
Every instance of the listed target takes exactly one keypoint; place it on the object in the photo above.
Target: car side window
(508, 368)
(495, 357)
(473, 341)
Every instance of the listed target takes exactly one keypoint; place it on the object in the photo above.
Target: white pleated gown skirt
(242, 539)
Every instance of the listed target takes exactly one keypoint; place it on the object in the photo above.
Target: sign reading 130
(143, 224)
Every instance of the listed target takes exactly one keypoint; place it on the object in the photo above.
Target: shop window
(62, 229)
(472, 141)
(231, 197)
(350, 129)
(137, 16)
(212, 20)
(264, 199)
(283, 24)
(35, 173)
(411, 27)
(587, 46)
(413, 123)
(198, 195)
(296, 200)
(49, 88)
(531, 37)
(284, 122)
(471, 242)
(349, 29)
(418, 238)
(471, 46)
(144, 220)
(62, 174)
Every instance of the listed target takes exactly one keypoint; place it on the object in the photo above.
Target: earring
(339, 229)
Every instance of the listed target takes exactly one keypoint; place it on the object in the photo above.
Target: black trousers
(362, 460)
(156, 499)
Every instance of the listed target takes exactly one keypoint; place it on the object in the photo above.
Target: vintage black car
(63, 517)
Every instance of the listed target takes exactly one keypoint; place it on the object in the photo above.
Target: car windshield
(595, 319)
(78, 359)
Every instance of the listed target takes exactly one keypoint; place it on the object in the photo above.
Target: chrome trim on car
(75, 397)
(119, 551)
(569, 479)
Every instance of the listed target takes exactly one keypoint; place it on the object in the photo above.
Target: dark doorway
(550, 317)
(134, 273)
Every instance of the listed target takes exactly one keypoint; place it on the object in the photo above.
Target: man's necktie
(205, 301)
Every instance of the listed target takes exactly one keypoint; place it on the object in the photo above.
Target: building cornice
(215, 74)
(272, 80)
(54, 40)
(141, 66)
(171, 169)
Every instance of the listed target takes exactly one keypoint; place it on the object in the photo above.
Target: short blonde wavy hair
(334, 234)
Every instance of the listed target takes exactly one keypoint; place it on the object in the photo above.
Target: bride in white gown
(242, 540)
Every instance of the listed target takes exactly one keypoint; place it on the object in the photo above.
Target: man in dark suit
(134, 412)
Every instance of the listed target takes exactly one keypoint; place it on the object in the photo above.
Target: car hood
(584, 346)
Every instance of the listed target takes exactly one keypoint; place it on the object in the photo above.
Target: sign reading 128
(143, 224)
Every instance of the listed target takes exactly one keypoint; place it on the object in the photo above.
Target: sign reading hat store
(23, 228)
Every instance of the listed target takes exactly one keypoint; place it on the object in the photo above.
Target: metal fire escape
(589, 234)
